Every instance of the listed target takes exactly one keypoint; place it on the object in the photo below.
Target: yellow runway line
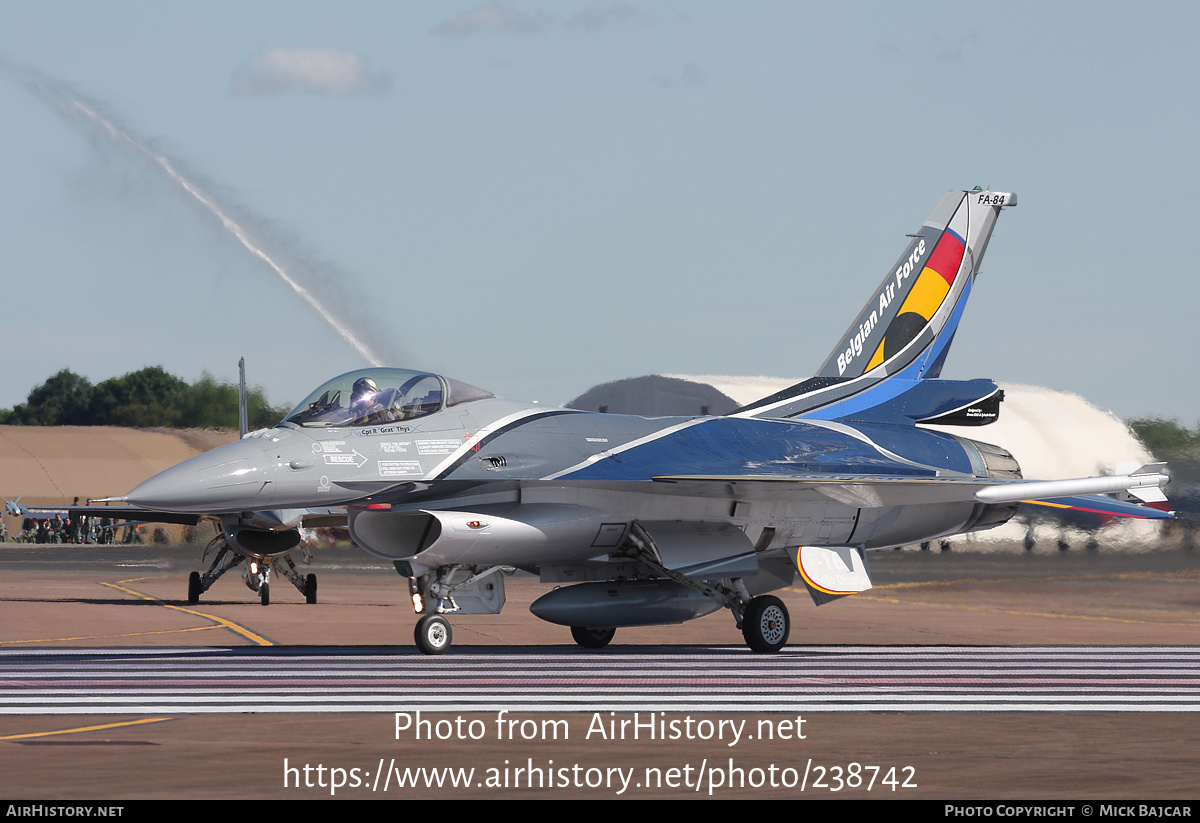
(88, 728)
(109, 636)
(221, 621)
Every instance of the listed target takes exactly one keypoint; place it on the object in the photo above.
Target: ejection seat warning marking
(436, 446)
(396, 468)
(352, 459)
(394, 446)
(329, 446)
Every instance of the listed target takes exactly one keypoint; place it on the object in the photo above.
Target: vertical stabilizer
(902, 334)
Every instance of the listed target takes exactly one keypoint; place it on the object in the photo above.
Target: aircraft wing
(311, 518)
(863, 491)
(122, 513)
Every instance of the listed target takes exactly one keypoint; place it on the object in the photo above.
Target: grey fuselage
(493, 482)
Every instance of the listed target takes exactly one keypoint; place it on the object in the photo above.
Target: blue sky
(537, 197)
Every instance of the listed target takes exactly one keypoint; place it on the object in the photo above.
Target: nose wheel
(258, 579)
(433, 634)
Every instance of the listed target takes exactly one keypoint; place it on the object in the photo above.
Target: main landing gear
(257, 573)
(766, 624)
(763, 620)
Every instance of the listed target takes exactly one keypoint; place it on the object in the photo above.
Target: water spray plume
(75, 106)
(1054, 434)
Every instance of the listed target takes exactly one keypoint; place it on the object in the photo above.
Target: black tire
(195, 588)
(310, 589)
(766, 624)
(264, 594)
(592, 638)
(433, 634)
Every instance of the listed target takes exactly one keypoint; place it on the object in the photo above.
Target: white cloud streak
(498, 18)
(324, 71)
(491, 17)
(597, 18)
(307, 280)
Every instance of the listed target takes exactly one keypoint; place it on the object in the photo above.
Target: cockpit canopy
(372, 397)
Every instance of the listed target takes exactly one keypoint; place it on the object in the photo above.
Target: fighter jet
(650, 521)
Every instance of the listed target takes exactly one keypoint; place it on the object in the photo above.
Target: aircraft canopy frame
(378, 396)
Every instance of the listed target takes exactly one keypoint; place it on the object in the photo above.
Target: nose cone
(234, 477)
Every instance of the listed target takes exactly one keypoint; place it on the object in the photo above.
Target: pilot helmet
(363, 387)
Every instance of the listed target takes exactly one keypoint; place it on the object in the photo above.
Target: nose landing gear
(432, 634)
(258, 579)
(257, 573)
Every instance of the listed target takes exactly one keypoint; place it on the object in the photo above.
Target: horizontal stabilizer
(1103, 505)
(941, 402)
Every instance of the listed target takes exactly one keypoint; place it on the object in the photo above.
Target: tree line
(150, 397)
(153, 397)
(1161, 435)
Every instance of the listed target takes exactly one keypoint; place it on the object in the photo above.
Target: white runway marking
(669, 679)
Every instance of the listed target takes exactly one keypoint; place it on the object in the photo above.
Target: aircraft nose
(235, 477)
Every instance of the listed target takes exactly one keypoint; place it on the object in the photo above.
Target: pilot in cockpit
(362, 399)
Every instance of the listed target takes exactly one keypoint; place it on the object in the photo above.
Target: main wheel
(433, 634)
(592, 638)
(766, 624)
(310, 589)
(264, 594)
(195, 588)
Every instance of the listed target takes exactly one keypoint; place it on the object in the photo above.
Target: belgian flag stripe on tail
(936, 279)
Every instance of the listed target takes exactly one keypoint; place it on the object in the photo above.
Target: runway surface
(666, 679)
(1049, 675)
